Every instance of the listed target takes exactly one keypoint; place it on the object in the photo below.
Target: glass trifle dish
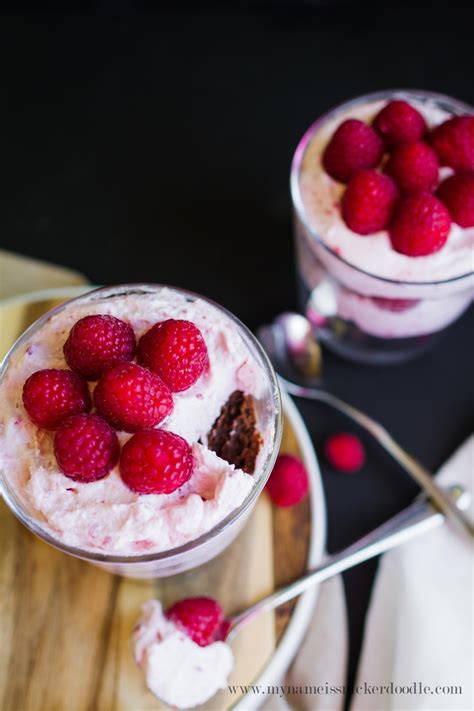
(139, 424)
(383, 195)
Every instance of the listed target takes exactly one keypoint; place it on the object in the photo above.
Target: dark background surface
(156, 147)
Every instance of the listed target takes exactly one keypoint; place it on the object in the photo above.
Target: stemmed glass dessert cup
(200, 550)
(359, 313)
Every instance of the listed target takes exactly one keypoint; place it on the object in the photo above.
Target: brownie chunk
(234, 435)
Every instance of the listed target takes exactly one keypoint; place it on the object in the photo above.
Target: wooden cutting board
(65, 625)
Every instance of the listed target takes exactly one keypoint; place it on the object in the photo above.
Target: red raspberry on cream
(176, 351)
(453, 141)
(457, 193)
(399, 122)
(86, 447)
(156, 462)
(200, 617)
(132, 398)
(368, 202)
(354, 146)
(414, 167)
(52, 394)
(97, 343)
(420, 225)
(180, 671)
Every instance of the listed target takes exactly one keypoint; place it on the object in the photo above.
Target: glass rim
(303, 145)
(13, 503)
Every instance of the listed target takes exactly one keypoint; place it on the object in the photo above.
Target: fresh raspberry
(399, 122)
(368, 202)
(420, 225)
(176, 351)
(132, 398)
(457, 193)
(414, 167)
(97, 343)
(200, 618)
(288, 483)
(155, 462)
(394, 305)
(86, 447)
(51, 395)
(453, 141)
(223, 631)
(354, 146)
(344, 452)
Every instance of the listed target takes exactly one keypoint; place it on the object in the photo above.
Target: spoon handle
(421, 475)
(412, 521)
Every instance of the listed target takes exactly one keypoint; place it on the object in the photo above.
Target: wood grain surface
(65, 625)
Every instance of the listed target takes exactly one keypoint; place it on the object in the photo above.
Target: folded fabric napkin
(419, 628)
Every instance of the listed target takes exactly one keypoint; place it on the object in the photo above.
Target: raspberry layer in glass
(106, 516)
(383, 292)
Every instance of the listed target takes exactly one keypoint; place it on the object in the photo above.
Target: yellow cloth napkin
(20, 278)
(20, 275)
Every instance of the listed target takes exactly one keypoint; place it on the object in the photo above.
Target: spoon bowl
(287, 336)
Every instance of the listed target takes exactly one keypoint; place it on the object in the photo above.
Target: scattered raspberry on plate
(344, 452)
(288, 483)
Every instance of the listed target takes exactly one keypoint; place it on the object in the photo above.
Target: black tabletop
(156, 147)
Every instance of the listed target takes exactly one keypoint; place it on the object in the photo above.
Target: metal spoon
(288, 342)
(418, 518)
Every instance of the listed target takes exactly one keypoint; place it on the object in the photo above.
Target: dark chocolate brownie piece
(234, 435)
